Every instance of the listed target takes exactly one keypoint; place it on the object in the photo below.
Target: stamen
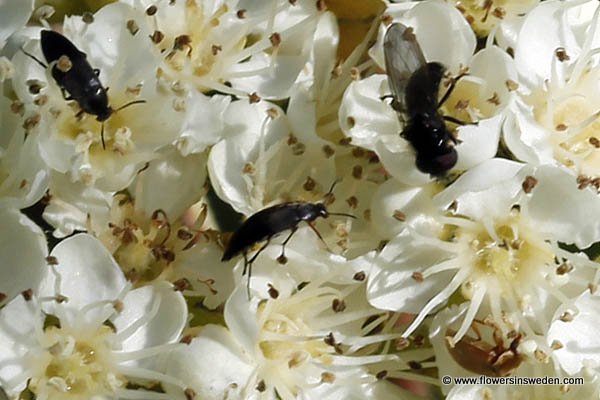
(123, 356)
(357, 343)
(364, 360)
(582, 62)
(340, 319)
(474, 305)
(441, 267)
(439, 298)
(143, 320)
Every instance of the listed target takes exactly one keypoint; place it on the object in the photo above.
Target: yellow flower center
(569, 111)
(510, 253)
(76, 365)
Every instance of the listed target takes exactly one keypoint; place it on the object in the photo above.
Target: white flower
(23, 252)
(72, 203)
(23, 173)
(157, 230)
(299, 343)
(258, 47)
(495, 241)
(263, 161)
(124, 58)
(480, 96)
(260, 160)
(555, 117)
(86, 335)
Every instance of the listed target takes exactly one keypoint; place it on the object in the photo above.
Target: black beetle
(270, 222)
(414, 84)
(75, 76)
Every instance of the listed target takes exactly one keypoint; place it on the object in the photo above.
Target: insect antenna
(114, 111)
(453, 83)
(37, 60)
(130, 104)
(342, 214)
(330, 191)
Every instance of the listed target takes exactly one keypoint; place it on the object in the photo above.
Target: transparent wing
(403, 56)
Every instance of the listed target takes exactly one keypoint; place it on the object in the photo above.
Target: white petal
(558, 206)
(391, 285)
(393, 196)
(276, 170)
(214, 365)
(452, 42)
(13, 16)
(86, 273)
(23, 252)
(240, 317)
(479, 142)
(579, 337)
(24, 176)
(172, 183)
(539, 37)
(164, 311)
(326, 40)
(111, 47)
(525, 137)
(364, 117)
(20, 323)
(72, 202)
(203, 125)
(492, 173)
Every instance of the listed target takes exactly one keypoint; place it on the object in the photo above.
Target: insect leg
(102, 137)
(318, 235)
(476, 329)
(456, 121)
(282, 258)
(451, 88)
(248, 264)
(65, 96)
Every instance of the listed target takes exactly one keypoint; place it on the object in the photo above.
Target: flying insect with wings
(414, 83)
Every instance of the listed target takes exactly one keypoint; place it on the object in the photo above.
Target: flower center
(580, 144)
(88, 133)
(75, 365)
(508, 252)
(194, 49)
(569, 109)
(287, 337)
(146, 249)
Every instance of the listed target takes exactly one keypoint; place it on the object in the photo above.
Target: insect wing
(403, 56)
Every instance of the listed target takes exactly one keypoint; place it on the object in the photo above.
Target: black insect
(270, 222)
(75, 76)
(414, 84)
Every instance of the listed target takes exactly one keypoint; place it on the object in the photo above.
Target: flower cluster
(228, 200)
